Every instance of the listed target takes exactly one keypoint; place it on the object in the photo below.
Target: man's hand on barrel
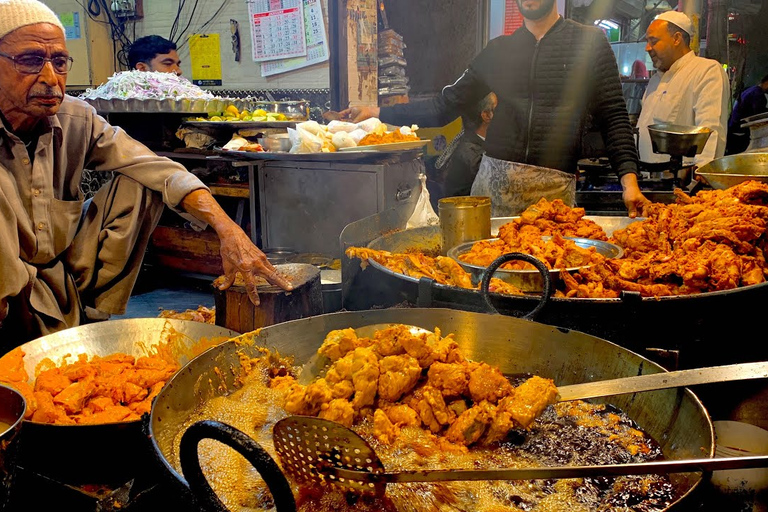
(238, 254)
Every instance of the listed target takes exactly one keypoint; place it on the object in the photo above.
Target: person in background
(636, 89)
(63, 262)
(751, 102)
(687, 90)
(550, 77)
(154, 53)
(462, 158)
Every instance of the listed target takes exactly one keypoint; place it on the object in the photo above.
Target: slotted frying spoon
(317, 450)
(318, 365)
(321, 451)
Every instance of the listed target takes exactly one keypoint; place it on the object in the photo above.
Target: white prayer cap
(20, 13)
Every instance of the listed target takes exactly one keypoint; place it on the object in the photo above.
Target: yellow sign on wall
(205, 55)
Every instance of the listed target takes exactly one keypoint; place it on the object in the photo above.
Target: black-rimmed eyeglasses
(33, 64)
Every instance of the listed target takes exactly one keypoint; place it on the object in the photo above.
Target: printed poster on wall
(277, 29)
(71, 22)
(205, 56)
(317, 43)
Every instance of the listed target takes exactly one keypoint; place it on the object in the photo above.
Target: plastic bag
(423, 214)
(303, 141)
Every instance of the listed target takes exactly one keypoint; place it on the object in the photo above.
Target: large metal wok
(674, 417)
(695, 325)
(111, 453)
(731, 170)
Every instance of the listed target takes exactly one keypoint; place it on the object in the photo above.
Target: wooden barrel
(235, 311)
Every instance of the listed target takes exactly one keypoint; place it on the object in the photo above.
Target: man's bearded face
(535, 9)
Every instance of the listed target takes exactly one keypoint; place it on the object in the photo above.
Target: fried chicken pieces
(406, 379)
(555, 252)
(107, 389)
(713, 241)
(442, 270)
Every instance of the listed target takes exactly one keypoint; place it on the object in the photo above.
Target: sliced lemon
(231, 109)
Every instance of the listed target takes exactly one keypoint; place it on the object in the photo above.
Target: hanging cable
(208, 22)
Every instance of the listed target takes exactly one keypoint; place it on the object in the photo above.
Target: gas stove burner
(33, 491)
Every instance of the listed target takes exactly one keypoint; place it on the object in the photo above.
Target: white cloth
(20, 13)
(694, 92)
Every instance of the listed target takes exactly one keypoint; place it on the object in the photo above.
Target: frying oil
(566, 434)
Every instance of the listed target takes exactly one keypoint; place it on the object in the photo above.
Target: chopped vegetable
(146, 85)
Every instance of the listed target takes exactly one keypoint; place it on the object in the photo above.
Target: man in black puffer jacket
(550, 76)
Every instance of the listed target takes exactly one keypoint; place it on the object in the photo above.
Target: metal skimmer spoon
(322, 451)
(313, 449)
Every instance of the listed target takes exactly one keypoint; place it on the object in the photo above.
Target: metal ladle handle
(245, 446)
(485, 283)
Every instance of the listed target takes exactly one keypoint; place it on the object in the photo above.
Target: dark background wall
(441, 39)
(757, 47)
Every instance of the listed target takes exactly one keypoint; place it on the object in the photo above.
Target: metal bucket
(674, 417)
(463, 219)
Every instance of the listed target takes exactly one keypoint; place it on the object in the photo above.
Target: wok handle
(248, 448)
(485, 283)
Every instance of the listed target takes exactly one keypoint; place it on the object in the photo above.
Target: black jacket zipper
(530, 99)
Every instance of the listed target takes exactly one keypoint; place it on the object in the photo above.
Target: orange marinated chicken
(387, 138)
(107, 389)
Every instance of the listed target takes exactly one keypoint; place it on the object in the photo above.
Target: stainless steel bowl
(276, 143)
(678, 139)
(731, 170)
(293, 110)
(530, 280)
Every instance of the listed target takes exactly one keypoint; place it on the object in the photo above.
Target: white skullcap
(20, 13)
(676, 18)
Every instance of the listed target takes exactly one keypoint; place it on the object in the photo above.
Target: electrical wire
(176, 20)
(208, 22)
(189, 22)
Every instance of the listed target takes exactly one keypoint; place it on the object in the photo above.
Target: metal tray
(530, 280)
(731, 170)
(239, 125)
(168, 105)
(336, 156)
(301, 157)
(394, 146)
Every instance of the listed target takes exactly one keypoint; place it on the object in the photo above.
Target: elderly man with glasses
(61, 263)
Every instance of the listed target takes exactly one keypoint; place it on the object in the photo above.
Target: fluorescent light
(607, 24)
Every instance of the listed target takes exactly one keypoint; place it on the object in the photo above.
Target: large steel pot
(695, 325)
(111, 453)
(674, 417)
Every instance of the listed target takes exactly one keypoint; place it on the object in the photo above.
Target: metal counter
(306, 205)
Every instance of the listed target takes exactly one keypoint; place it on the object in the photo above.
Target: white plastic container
(737, 439)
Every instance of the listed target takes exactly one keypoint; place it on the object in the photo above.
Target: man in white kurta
(687, 89)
